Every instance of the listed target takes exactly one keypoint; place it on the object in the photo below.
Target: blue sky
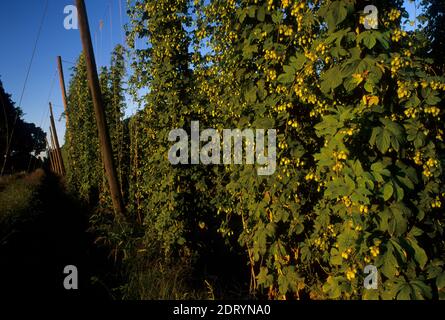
(19, 23)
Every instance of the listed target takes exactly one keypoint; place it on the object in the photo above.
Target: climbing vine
(360, 151)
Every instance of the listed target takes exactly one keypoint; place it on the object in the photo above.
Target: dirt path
(34, 254)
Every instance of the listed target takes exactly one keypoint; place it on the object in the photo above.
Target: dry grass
(18, 197)
(151, 277)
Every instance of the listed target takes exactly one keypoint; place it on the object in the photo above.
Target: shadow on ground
(35, 251)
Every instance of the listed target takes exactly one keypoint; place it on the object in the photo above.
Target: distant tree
(20, 142)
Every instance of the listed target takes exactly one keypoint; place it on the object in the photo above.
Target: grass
(41, 225)
(44, 229)
(149, 275)
(156, 280)
(18, 199)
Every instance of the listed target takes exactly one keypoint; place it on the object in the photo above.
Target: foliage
(360, 144)
(20, 140)
(86, 174)
(164, 195)
(19, 201)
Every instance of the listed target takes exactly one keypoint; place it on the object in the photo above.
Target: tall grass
(18, 198)
(152, 278)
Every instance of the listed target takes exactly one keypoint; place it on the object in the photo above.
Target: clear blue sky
(19, 23)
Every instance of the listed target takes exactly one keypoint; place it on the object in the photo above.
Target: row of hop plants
(360, 149)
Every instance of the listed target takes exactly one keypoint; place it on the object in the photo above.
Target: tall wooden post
(51, 160)
(63, 88)
(65, 106)
(104, 137)
(50, 156)
(56, 140)
(55, 154)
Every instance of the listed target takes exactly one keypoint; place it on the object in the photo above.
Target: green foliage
(360, 144)
(19, 200)
(20, 141)
(86, 174)
(163, 195)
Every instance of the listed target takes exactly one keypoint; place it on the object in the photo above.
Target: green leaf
(336, 14)
(405, 292)
(414, 101)
(415, 232)
(299, 228)
(384, 220)
(396, 133)
(264, 123)
(398, 219)
(440, 281)
(264, 278)
(387, 191)
(331, 79)
(432, 99)
(350, 84)
(381, 138)
(261, 14)
(277, 16)
(399, 194)
(298, 61)
(389, 268)
(369, 87)
(332, 287)
(368, 38)
(421, 290)
(251, 11)
(248, 50)
(383, 39)
(383, 141)
(336, 258)
(419, 254)
(399, 250)
(391, 288)
(288, 76)
(251, 95)
(370, 294)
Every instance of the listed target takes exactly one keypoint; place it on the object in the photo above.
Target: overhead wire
(9, 141)
(109, 10)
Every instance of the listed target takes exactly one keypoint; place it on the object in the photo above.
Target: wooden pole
(55, 154)
(104, 137)
(63, 89)
(54, 160)
(51, 160)
(54, 165)
(50, 156)
(65, 106)
(56, 141)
